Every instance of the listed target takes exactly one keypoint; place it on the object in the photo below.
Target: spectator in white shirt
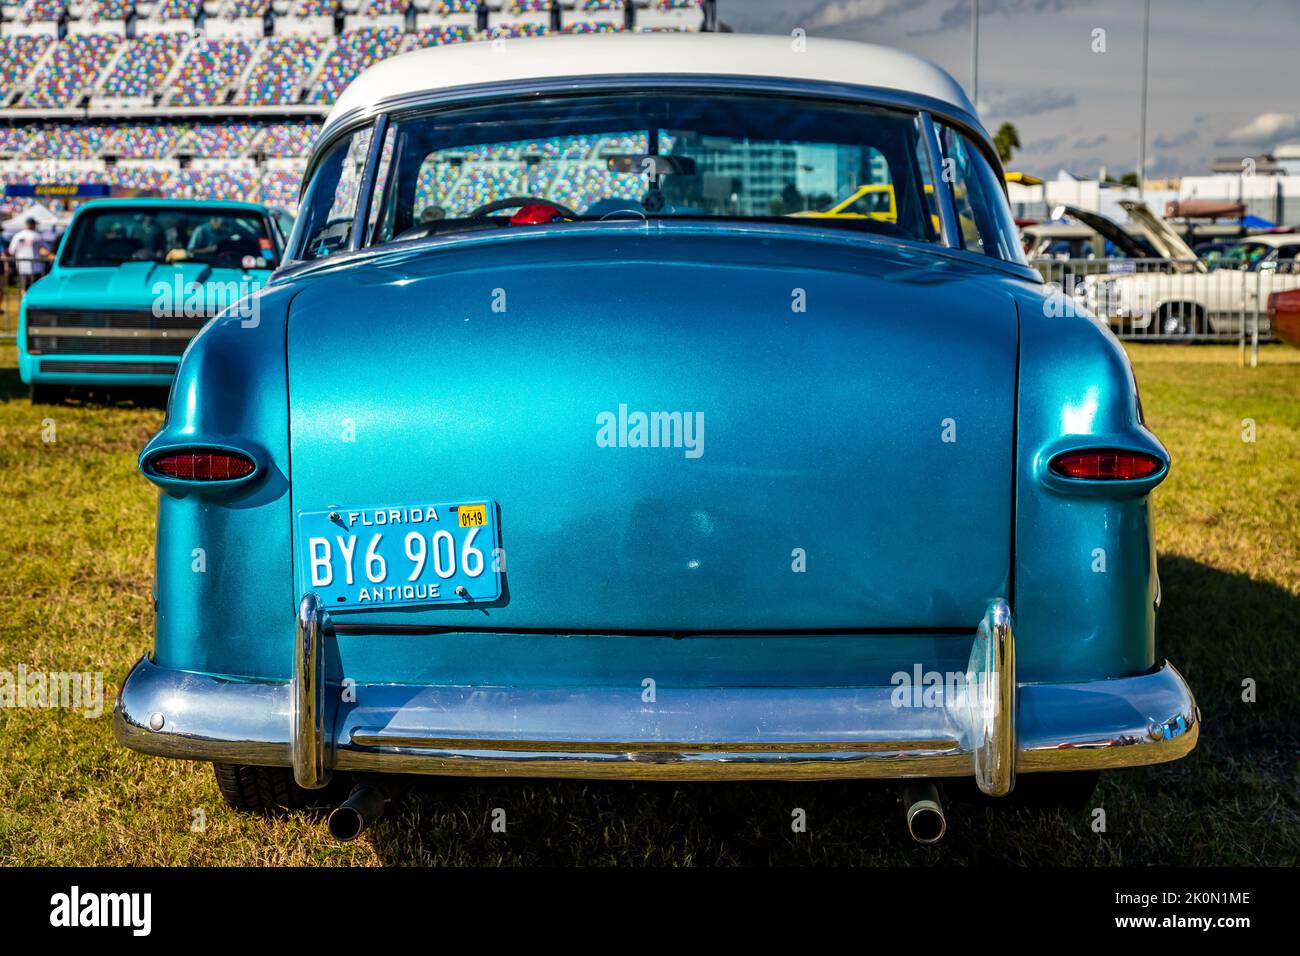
(27, 248)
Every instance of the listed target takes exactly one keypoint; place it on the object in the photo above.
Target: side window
(328, 208)
(984, 219)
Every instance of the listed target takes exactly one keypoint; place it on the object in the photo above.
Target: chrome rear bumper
(991, 729)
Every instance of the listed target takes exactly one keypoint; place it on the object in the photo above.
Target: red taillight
(1106, 464)
(202, 465)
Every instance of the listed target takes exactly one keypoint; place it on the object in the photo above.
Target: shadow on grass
(11, 386)
(96, 396)
(1232, 802)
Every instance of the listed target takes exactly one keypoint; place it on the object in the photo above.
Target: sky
(1224, 74)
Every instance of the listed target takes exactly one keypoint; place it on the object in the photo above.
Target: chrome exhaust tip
(926, 821)
(361, 810)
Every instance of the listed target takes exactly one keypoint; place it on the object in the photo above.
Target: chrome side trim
(60, 331)
(308, 735)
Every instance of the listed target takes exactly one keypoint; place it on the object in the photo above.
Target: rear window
(633, 155)
(229, 238)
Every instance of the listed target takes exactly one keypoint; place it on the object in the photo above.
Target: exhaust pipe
(363, 807)
(925, 817)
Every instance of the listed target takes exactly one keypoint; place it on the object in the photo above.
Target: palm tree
(1005, 140)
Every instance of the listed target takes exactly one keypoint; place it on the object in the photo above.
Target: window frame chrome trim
(361, 215)
(949, 227)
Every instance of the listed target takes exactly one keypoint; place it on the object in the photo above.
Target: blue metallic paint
(925, 311)
(822, 408)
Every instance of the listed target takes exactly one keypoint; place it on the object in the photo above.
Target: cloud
(834, 13)
(1038, 147)
(1017, 105)
(1266, 129)
(1091, 143)
(958, 14)
(1184, 138)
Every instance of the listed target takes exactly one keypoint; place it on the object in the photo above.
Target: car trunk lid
(844, 454)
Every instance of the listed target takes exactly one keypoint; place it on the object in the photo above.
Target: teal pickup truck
(134, 280)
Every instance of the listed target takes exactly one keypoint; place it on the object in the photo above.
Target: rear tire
(266, 790)
(1178, 318)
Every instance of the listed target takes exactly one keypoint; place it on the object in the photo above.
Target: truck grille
(111, 319)
(111, 368)
(104, 345)
(108, 332)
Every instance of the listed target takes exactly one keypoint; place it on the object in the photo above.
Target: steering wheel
(514, 202)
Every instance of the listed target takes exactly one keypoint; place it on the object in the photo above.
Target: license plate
(400, 556)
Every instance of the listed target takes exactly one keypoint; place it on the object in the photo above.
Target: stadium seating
(36, 11)
(352, 53)
(280, 69)
(277, 64)
(420, 39)
(279, 187)
(98, 10)
(142, 178)
(218, 140)
(15, 140)
(70, 142)
(313, 8)
(177, 9)
(142, 142)
(72, 69)
(18, 56)
(234, 183)
(208, 70)
(235, 9)
(383, 8)
(143, 65)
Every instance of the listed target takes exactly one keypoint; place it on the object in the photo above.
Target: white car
(1190, 298)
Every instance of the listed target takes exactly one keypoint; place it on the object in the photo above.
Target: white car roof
(821, 60)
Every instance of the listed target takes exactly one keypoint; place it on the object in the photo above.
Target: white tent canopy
(41, 214)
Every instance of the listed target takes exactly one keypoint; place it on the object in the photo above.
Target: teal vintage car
(566, 447)
(133, 281)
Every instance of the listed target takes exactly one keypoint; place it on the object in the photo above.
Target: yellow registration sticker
(472, 516)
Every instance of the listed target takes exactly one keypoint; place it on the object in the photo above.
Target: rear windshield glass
(631, 155)
(644, 154)
(233, 238)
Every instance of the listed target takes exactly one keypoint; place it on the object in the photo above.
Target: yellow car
(872, 201)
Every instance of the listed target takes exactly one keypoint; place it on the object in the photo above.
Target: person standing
(26, 248)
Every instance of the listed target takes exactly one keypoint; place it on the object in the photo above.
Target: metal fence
(15, 276)
(1146, 300)
(1162, 300)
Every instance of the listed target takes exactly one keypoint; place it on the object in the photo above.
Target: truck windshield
(230, 238)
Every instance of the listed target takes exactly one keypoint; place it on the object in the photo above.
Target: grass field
(76, 550)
